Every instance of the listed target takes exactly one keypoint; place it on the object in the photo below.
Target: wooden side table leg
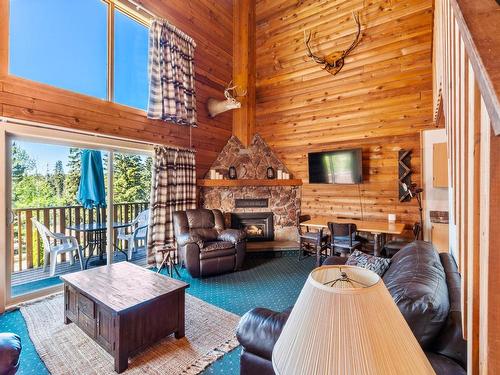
(181, 316)
(162, 264)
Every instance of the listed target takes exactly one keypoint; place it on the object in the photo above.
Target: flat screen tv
(336, 167)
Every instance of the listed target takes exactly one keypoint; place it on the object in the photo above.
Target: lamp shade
(353, 326)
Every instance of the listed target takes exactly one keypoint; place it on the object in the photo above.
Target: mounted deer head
(334, 62)
(218, 106)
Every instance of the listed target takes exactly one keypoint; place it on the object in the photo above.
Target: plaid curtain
(171, 75)
(173, 189)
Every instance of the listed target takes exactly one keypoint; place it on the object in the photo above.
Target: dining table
(379, 229)
(95, 236)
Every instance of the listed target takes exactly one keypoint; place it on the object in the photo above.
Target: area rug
(65, 349)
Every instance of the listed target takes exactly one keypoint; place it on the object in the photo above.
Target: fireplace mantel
(248, 182)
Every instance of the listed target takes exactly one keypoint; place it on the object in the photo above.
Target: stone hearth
(252, 163)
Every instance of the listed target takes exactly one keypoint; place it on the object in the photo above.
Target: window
(68, 47)
(131, 62)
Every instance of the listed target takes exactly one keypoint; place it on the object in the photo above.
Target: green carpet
(272, 282)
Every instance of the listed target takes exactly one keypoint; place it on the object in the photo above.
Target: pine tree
(72, 179)
(146, 179)
(58, 178)
(22, 164)
(128, 174)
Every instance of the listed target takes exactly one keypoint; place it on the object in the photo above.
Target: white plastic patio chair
(55, 244)
(138, 232)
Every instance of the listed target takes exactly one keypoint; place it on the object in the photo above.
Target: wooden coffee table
(124, 307)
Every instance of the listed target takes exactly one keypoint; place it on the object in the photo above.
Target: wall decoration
(334, 61)
(404, 174)
(216, 107)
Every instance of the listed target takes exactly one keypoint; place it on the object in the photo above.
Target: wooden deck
(35, 278)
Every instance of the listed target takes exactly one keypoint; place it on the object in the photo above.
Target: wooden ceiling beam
(244, 68)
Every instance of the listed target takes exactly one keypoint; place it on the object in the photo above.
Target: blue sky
(67, 48)
(45, 154)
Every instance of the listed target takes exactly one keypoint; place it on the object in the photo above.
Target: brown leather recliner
(204, 246)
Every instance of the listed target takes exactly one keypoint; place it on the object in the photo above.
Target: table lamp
(346, 322)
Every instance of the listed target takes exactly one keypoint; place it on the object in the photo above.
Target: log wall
(380, 101)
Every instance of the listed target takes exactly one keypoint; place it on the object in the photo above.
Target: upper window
(131, 62)
(59, 42)
(65, 44)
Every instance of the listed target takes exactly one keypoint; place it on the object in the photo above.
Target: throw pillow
(370, 262)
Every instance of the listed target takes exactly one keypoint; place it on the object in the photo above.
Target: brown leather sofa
(425, 286)
(205, 247)
(10, 351)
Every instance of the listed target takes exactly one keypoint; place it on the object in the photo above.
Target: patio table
(96, 238)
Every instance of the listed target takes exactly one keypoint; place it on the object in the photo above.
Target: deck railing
(25, 243)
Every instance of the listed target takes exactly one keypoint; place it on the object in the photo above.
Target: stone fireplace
(280, 203)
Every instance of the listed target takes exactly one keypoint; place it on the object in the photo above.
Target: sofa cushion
(217, 253)
(443, 365)
(216, 245)
(206, 234)
(200, 218)
(450, 341)
(232, 235)
(376, 264)
(417, 282)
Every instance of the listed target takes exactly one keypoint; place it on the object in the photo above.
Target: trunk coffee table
(124, 307)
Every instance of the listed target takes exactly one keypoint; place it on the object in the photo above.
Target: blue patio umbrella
(91, 191)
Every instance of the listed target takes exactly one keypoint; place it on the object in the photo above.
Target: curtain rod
(82, 132)
(139, 7)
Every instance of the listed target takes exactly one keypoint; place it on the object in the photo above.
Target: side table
(168, 260)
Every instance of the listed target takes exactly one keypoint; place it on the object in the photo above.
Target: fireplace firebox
(259, 226)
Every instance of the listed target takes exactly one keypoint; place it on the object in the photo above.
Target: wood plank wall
(209, 22)
(465, 79)
(380, 101)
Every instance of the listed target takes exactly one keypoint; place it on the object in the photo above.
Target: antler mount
(334, 61)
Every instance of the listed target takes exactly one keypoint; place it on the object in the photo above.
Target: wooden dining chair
(311, 242)
(343, 238)
(392, 247)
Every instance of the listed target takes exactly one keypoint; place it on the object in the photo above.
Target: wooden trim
(137, 16)
(110, 82)
(484, 245)
(482, 39)
(5, 256)
(57, 135)
(249, 182)
(474, 203)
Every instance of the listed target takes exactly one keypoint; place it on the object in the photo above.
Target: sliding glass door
(57, 225)
(59, 196)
